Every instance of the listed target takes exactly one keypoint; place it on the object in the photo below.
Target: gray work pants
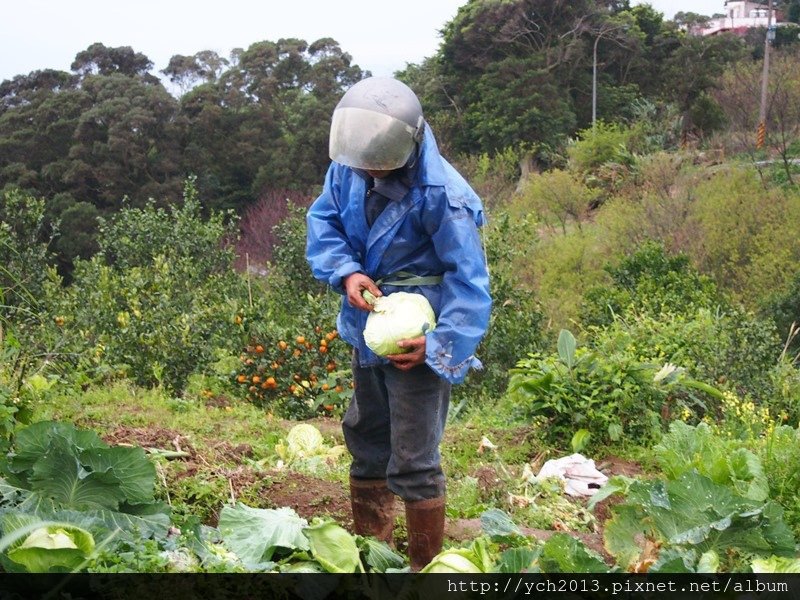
(393, 427)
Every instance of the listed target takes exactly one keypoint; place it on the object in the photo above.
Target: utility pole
(594, 82)
(762, 113)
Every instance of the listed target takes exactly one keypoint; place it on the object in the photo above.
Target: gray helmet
(376, 125)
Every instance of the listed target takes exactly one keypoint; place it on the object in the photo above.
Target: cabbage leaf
(334, 548)
(693, 513)
(255, 534)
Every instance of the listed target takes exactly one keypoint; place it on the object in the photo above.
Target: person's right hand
(354, 285)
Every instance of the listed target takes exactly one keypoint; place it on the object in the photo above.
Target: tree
(793, 13)
(693, 69)
(127, 143)
(38, 116)
(188, 71)
(520, 72)
(77, 233)
(99, 59)
(26, 89)
(486, 48)
(738, 93)
(263, 124)
(783, 112)
(690, 20)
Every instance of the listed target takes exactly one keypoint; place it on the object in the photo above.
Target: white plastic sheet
(581, 477)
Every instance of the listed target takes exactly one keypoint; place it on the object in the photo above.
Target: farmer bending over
(392, 206)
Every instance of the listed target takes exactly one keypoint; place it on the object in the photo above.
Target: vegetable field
(162, 412)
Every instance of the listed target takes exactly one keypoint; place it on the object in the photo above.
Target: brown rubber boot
(425, 524)
(373, 508)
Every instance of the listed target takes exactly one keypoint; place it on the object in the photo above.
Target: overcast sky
(380, 36)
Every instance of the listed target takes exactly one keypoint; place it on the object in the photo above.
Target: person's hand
(354, 285)
(413, 357)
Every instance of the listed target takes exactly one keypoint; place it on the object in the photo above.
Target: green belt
(404, 278)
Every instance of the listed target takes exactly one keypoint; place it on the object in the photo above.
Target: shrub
(494, 177)
(295, 379)
(730, 348)
(648, 282)
(780, 453)
(785, 396)
(783, 306)
(652, 203)
(134, 236)
(289, 257)
(28, 340)
(746, 234)
(611, 394)
(562, 268)
(605, 143)
(24, 253)
(158, 297)
(515, 325)
(669, 312)
(297, 371)
(558, 197)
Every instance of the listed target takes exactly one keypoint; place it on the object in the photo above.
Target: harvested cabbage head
(398, 316)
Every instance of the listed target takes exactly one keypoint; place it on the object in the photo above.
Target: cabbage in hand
(398, 316)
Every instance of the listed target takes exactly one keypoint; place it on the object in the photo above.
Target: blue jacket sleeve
(328, 251)
(466, 303)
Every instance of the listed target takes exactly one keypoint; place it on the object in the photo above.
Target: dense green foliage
(110, 130)
(509, 76)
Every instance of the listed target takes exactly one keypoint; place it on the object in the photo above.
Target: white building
(741, 16)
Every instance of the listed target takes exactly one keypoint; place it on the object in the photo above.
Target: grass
(122, 404)
(229, 453)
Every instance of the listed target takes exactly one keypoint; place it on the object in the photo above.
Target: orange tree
(298, 376)
(294, 362)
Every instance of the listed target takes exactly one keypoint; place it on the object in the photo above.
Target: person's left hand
(414, 357)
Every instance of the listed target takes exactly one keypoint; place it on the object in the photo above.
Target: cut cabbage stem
(369, 297)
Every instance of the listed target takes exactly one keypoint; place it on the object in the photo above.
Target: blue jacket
(433, 230)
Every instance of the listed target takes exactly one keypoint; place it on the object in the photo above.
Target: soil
(221, 401)
(311, 496)
(611, 466)
(487, 480)
(149, 437)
